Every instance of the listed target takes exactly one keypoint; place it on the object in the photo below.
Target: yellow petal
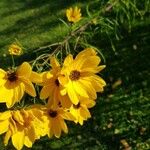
(68, 116)
(80, 120)
(100, 68)
(65, 101)
(18, 117)
(2, 82)
(7, 137)
(27, 142)
(6, 95)
(18, 140)
(98, 83)
(2, 77)
(5, 115)
(75, 113)
(68, 60)
(45, 92)
(72, 94)
(4, 126)
(84, 112)
(89, 88)
(35, 77)
(30, 137)
(2, 73)
(56, 128)
(91, 62)
(18, 93)
(63, 125)
(54, 63)
(63, 80)
(80, 89)
(29, 88)
(88, 103)
(24, 70)
(85, 53)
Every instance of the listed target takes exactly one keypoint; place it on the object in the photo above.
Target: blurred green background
(122, 34)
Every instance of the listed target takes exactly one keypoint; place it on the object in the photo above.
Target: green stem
(13, 61)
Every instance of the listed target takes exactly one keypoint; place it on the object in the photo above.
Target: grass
(121, 112)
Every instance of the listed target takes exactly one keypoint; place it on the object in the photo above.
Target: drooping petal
(27, 142)
(30, 137)
(74, 112)
(56, 128)
(84, 112)
(100, 68)
(7, 137)
(63, 125)
(18, 140)
(80, 120)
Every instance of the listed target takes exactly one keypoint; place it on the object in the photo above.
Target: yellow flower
(22, 126)
(80, 111)
(54, 120)
(80, 77)
(51, 86)
(15, 82)
(15, 49)
(73, 14)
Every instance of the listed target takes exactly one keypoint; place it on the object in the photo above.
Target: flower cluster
(68, 89)
(73, 14)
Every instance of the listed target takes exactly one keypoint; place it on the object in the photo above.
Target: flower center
(76, 106)
(74, 75)
(53, 113)
(27, 123)
(11, 76)
(57, 82)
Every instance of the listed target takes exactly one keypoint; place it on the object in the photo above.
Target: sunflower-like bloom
(80, 77)
(15, 49)
(80, 111)
(54, 120)
(73, 14)
(22, 126)
(51, 86)
(15, 82)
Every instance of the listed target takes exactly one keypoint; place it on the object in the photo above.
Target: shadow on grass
(31, 18)
(54, 7)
